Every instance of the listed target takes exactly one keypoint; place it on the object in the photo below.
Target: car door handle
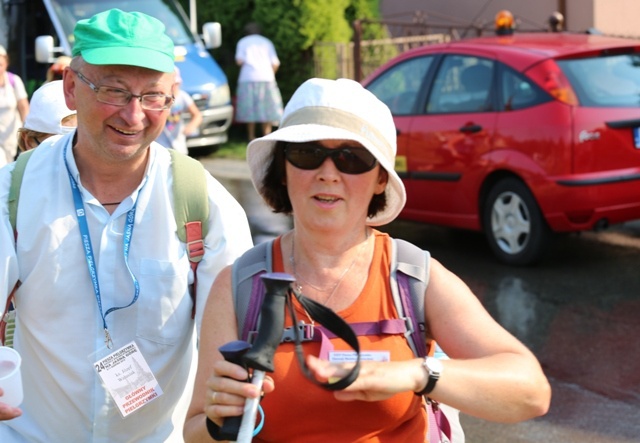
(471, 128)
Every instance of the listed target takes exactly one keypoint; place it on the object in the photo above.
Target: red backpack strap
(195, 252)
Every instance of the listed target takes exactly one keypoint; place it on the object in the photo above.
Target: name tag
(350, 356)
(128, 379)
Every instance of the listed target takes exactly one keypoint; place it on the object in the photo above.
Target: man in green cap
(104, 314)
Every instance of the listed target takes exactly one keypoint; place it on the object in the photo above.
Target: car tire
(513, 223)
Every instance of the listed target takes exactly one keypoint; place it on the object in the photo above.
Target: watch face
(434, 365)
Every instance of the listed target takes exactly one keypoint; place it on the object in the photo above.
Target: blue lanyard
(88, 250)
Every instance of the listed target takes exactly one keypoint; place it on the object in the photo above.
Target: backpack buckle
(195, 250)
(409, 325)
(305, 331)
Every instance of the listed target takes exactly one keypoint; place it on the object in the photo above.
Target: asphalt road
(578, 311)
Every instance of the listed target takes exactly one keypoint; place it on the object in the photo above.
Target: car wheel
(513, 224)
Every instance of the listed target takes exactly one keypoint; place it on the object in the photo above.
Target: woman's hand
(227, 390)
(376, 380)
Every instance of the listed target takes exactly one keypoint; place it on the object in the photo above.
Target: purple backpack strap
(409, 279)
(411, 273)
(438, 424)
(255, 303)
(418, 331)
(247, 288)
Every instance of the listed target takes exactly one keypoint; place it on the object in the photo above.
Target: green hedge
(293, 26)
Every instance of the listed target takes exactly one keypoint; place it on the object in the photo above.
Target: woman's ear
(383, 178)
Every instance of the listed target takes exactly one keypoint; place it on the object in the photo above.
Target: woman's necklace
(330, 290)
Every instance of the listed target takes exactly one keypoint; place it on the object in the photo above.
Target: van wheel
(513, 224)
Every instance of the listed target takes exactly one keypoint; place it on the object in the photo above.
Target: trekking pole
(232, 352)
(260, 357)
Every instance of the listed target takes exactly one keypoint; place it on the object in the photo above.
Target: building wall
(616, 17)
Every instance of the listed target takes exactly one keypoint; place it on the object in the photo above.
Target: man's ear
(69, 83)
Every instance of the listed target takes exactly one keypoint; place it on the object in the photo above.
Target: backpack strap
(191, 209)
(7, 324)
(12, 79)
(247, 286)
(14, 191)
(409, 279)
(410, 270)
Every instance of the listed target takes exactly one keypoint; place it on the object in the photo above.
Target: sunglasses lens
(353, 160)
(309, 156)
(305, 155)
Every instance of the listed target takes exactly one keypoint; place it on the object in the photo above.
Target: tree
(294, 26)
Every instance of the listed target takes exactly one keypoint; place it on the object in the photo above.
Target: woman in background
(14, 107)
(258, 96)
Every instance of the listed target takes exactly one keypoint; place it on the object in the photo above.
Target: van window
(612, 81)
(70, 11)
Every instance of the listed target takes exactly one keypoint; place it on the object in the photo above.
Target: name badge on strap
(128, 379)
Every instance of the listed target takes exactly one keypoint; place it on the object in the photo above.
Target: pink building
(613, 17)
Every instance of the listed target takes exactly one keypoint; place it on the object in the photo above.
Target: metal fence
(337, 60)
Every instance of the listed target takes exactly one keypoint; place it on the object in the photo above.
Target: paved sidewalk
(226, 168)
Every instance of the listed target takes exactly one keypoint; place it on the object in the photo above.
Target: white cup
(10, 377)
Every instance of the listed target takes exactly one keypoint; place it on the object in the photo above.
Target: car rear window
(612, 81)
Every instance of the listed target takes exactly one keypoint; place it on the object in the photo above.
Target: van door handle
(471, 129)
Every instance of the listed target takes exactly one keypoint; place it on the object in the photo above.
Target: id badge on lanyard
(125, 371)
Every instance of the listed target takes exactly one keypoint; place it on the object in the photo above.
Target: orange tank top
(300, 411)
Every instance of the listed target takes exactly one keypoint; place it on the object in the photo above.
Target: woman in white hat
(330, 165)
(48, 116)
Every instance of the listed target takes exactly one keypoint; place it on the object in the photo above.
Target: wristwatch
(433, 366)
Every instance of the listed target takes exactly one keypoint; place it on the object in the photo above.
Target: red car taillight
(549, 75)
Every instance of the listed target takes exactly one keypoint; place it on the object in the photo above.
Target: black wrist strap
(214, 430)
(431, 381)
(334, 323)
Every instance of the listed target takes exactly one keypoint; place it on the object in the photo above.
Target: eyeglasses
(310, 155)
(121, 97)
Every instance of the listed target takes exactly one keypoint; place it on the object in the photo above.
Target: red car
(518, 136)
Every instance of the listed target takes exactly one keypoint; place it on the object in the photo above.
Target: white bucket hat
(47, 108)
(342, 109)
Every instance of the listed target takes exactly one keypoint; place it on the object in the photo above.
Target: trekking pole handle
(260, 357)
(232, 352)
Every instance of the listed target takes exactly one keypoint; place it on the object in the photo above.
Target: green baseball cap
(115, 37)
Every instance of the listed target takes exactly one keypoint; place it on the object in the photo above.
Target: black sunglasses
(310, 155)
